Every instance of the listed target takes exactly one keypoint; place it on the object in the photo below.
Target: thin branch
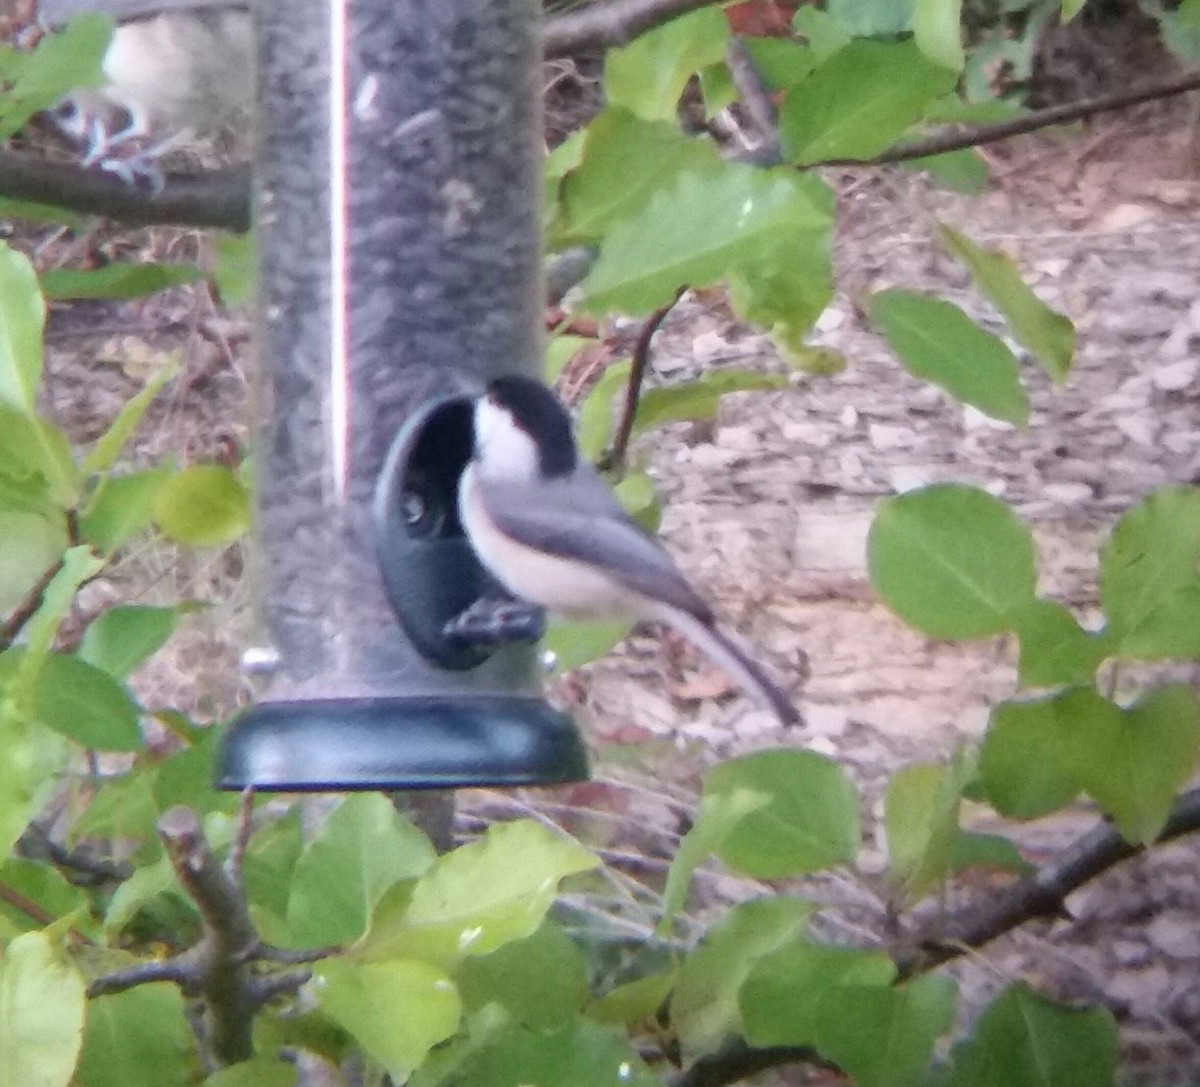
(225, 981)
(26, 905)
(180, 970)
(82, 869)
(615, 458)
(610, 24)
(24, 611)
(219, 198)
(754, 92)
(245, 828)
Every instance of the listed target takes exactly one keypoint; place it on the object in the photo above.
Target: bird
(545, 525)
(173, 70)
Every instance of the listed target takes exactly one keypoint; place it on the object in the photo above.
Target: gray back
(56, 12)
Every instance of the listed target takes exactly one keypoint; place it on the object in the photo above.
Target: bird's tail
(726, 652)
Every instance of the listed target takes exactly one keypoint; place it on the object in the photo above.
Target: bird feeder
(397, 183)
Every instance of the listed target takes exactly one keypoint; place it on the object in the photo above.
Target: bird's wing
(578, 520)
(54, 13)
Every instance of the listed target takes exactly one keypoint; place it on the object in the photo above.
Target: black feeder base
(400, 743)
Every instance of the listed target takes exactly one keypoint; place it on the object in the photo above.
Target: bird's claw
(491, 621)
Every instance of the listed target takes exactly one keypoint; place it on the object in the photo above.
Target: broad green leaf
(138, 1038)
(717, 89)
(86, 704)
(41, 884)
(235, 270)
(594, 426)
(271, 858)
(809, 822)
(31, 758)
(719, 815)
(781, 999)
(30, 446)
(937, 29)
(1071, 8)
(871, 19)
(699, 399)
(1172, 631)
(1055, 649)
(639, 498)
(962, 171)
(766, 230)
(921, 819)
(937, 342)
(633, 1002)
(857, 103)
(259, 1072)
(583, 1054)
(110, 444)
(824, 33)
(1133, 762)
(62, 61)
(626, 161)
(124, 637)
(203, 506)
(22, 316)
(577, 644)
(363, 848)
(1045, 334)
(647, 76)
(478, 897)
(122, 507)
(1148, 570)
(77, 566)
(1023, 766)
(122, 808)
(560, 350)
(31, 546)
(41, 1013)
(884, 1036)
(975, 850)
(116, 280)
(398, 1011)
(952, 561)
(1024, 1038)
(704, 1005)
(541, 981)
(146, 887)
(781, 62)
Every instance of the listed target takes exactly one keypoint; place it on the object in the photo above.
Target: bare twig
(180, 969)
(754, 92)
(610, 24)
(615, 458)
(82, 868)
(245, 828)
(24, 611)
(295, 956)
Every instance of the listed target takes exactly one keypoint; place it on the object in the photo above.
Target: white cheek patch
(505, 451)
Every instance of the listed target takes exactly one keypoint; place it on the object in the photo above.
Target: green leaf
(1070, 8)
(235, 270)
(1055, 649)
(577, 644)
(41, 1013)
(781, 62)
(884, 1036)
(138, 1038)
(952, 561)
(704, 1005)
(397, 1011)
(31, 758)
(31, 447)
(1148, 574)
(937, 29)
(39, 883)
(32, 545)
(781, 999)
(825, 34)
(921, 820)
(110, 444)
(647, 76)
(594, 426)
(871, 19)
(478, 897)
(975, 850)
(768, 231)
(560, 350)
(77, 566)
(185, 777)
(1048, 336)
(639, 498)
(541, 981)
(1023, 1038)
(1133, 762)
(363, 848)
(22, 316)
(259, 1072)
(857, 103)
(962, 171)
(122, 507)
(626, 161)
(634, 1002)
(698, 399)
(938, 342)
(1023, 768)
(271, 858)
(809, 822)
(124, 637)
(145, 888)
(116, 280)
(203, 506)
(86, 705)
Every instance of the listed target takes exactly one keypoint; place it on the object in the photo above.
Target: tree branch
(180, 969)
(610, 24)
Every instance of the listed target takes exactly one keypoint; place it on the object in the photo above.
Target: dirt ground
(768, 509)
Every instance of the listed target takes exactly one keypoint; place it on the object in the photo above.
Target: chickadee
(546, 526)
(173, 69)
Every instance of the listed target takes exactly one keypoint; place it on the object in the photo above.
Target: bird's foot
(495, 621)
